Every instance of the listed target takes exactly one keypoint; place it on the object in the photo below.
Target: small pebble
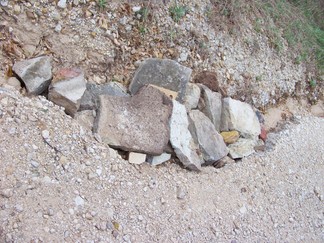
(45, 134)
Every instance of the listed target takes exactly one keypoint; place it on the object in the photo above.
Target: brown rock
(210, 80)
(230, 137)
(137, 124)
(263, 134)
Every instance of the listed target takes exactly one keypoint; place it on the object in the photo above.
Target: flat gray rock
(36, 73)
(242, 148)
(138, 124)
(67, 89)
(164, 73)
(210, 142)
(90, 98)
(181, 139)
(239, 116)
(159, 159)
(211, 105)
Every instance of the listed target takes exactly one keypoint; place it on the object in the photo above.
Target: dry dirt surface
(58, 184)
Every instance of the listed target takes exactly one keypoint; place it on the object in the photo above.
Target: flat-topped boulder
(163, 73)
(138, 124)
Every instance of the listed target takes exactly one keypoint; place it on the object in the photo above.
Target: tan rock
(136, 158)
(230, 137)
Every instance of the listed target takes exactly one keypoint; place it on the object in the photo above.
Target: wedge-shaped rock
(210, 142)
(181, 139)
(192, 96)
(36, 74)
(239, 116)
(164, 73)
(157, 160)
(138, 124)
(242, 148)
(67, 89)
(90, 98)
(211, 105)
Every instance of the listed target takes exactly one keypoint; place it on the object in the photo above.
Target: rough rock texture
(169, 93)
(210, 142)
(181, 139)
(230, 136)
(192, 96)
(90, 98)
(242, 148)
(157, 160)
(209, 79)
(211, 105)
(164, 73)
(85, 118)
(36, 73)
(139, 123)
(240, 116)
(67, 89)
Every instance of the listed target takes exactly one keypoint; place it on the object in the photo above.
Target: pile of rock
(163, 114)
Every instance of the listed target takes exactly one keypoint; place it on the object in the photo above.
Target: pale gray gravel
(80, 193)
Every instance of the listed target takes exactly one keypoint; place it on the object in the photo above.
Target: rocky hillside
(108, 41)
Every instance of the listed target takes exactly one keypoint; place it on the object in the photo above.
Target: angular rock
(230, 137)
(137, 124)
(163, 73)
(239, 116)
(211, 105)
(157, 160)
(210, 142)
(224, 161)
(90, 98)
(67, 89)
(242, 148)
(36, 73)
(192, 96)
(210, 80)
(136, 158)
(181, 139)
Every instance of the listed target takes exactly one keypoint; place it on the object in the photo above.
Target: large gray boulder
(211, 105)
(210, 142)
(138, 124)
(181, 139)
(36, 73)
(67, 89)
(90, 98)
(239, 116)
(164, 73)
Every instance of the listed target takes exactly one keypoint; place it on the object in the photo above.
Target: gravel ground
(58, 184)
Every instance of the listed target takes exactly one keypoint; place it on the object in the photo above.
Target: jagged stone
(36, 73)
(169, 93)
(242, 148)
(230, 137)
(239, 116)
(90, 98)
(163, 73)
(210, 80)
(210, 142)
(157, 160)
(137, 124)
(192, 96)
(67, 89)
(181, 139)
(211, 105)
